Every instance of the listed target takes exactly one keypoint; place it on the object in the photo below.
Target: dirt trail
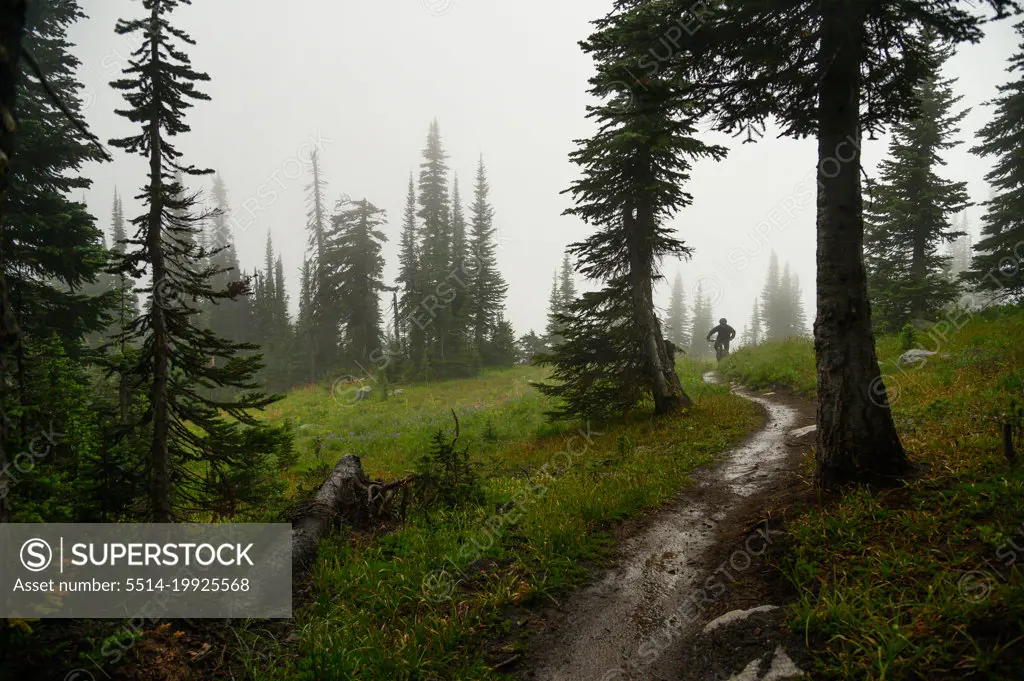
(632, 622)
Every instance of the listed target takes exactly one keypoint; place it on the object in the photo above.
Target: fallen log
(348, 497)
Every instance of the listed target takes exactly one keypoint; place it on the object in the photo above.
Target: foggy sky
(505, 80)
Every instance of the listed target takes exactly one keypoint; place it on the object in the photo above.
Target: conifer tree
(633, 169)
(529, 345)
(228, 318)
(556, 307)
(960, 250)
(997, 267)
(459, 279)
(322, 318)
(280, 295)
(912, 211)
(355, 269)
(51, 269)
(196, 455)
(487, 284)
(502, 343)
(703, 322)
(566, 281)
(303, 325)
(797, 316)
(126, 303)
(833, 70)
(52, 248)
(445, 342)
(411, 284)
(752, 334)
(773, 315)
(125, 311)
(675, 322)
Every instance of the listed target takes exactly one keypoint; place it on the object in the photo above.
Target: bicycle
(721, 350)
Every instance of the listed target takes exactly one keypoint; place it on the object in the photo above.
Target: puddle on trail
(622, 627)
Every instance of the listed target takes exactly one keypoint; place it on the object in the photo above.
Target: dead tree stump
(347, 497)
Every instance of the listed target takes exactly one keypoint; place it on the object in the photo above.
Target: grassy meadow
(424, 600)
(922, 581)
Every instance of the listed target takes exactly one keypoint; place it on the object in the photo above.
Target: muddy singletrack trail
(634, 622)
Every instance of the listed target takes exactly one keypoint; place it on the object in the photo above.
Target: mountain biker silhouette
(723, 334)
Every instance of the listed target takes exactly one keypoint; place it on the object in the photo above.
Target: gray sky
(506, 80)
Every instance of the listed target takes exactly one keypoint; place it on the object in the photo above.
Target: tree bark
(160, 458)
(666, 388)
(856, 436)
(348, 496)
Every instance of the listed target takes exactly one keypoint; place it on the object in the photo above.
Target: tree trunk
(348, 496)
(856, 436)
(666, 388)
(12, 26)
(160, 458)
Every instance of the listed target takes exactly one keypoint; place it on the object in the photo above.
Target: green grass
(424, 601)
(922, 582)
(389, 434)
(788, 364)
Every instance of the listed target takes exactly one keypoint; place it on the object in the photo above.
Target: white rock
(914, 356)
(749, 672)
(736, 616)
(801, 432)
(782, 667)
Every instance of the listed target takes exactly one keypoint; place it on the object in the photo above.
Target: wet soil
(710, 550)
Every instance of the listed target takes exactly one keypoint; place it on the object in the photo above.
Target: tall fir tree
(703, 322)
(675, 321)
(566, 281)
(832, 70)
(913, 209)
(412, 289)
(303, 324)
(997, 267)
(753, 334)
(502, 343)
(798, 317)
(633, 170)
(198, 460)
(54, 288)
(52, 247)
(355, 269)
(773, 304)
(460, 282)
(228, 318)
(960, 250)
(445, 343)
(556, 307)
(323, 334)
(126, 300)
(487, 284)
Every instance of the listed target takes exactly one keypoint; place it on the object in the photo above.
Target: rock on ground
(747, 645)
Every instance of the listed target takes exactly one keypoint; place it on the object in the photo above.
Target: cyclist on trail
(725, 333)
